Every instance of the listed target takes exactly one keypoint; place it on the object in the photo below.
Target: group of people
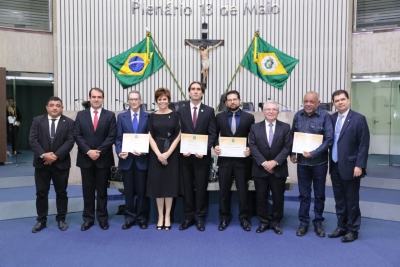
(164, 173)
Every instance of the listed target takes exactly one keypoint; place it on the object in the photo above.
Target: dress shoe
(167, 228)
(38, 227)
(277, 230)
(186, 224)
(245, 225)
(350, 236)
(200, 226)
(143, 224)
(222, 225)
(302, 230)
(104, 225)
(262, 228)
(127, 225)
(86, 226)
(62, 225)
(319, 231)
(337, 233)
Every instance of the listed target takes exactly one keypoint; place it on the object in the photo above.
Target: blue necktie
(337, 134)
(271, 134)
(135, 123)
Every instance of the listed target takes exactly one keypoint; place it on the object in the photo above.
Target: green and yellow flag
(136, 64)
(268, 63)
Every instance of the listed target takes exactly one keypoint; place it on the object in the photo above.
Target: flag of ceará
(136, 64)
(268, 63)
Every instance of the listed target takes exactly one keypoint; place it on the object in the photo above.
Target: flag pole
(148, 34)
(256, 34)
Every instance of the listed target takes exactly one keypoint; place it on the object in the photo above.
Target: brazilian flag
(268, 63)
(136, 64)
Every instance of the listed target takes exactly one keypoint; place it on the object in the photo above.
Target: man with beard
(233, 123)
(312, 166)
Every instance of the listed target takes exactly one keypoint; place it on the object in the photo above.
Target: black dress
(163, 180)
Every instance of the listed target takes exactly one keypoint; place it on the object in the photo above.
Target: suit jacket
(103, 139)
(39, 140)
(224, 130)
(205, 125)
(124, 125)
(278, 151)
(352, 145)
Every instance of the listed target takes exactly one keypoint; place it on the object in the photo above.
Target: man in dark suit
(233, 123)
(133, 164)
(349, 155)
(95, 133)
(270, 143)
(196, 118)
(51, 139)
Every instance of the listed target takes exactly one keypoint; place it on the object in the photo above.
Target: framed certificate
(194, 143)
(135, 142)
(306, 142)
(232, 146)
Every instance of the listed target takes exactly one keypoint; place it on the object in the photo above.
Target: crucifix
(204, 45)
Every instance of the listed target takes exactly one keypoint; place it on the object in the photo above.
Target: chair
(248, 106)
(222, 106)
(143, 107)
(326, 106)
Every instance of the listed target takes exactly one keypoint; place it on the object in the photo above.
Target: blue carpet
(378, 245)
(376, 169)
(24, 167)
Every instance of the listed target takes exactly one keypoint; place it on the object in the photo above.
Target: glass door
(394, 147)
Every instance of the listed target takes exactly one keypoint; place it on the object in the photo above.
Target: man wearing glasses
(270, 143)
(233, 123)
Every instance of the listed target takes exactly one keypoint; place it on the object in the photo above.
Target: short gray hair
(271, 102)
(134, 92)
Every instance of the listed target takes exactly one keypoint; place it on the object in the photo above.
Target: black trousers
(43, 177)
(195, 183)
(263, 186)
(95, 180)
(135, 181)
(347, 198)
(225, 183)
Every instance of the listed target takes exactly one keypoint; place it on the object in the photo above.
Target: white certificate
(135, 142)
(194, 143)
(232, 146)
(306, 142)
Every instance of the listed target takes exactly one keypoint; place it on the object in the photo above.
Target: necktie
(271, 134)
(233, 124)
(52, 130)
(194, 117)
(95, 120)
(337, 134)
(134, 123)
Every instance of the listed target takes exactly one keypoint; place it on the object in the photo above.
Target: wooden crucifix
(204, 45)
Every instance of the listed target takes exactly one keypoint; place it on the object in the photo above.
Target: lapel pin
(169, 117)
(63, 120)
(201, 110)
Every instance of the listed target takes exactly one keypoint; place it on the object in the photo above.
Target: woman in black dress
(163, 172)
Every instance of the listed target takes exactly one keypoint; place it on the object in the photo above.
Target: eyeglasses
(271, 109)
(232, 100)
(134, 99)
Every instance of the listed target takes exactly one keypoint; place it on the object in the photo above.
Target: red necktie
(95, 120)
(194, 117)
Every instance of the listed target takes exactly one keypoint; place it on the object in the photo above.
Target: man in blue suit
(95, 132)
(133, 164)
(349, 155)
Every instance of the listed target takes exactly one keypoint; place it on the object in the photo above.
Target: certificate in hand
(306, 142)
(194, 143)
(135, 142)
(232, 146)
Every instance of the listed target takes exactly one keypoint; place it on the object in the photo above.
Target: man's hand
(49, 158)
(357, 171)
(94, 154)
(217, 150)
(136, 153)
(307, 155)
(199, 156)
(123, 155)
(293, 159)
(269, 165)
(247, 152)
